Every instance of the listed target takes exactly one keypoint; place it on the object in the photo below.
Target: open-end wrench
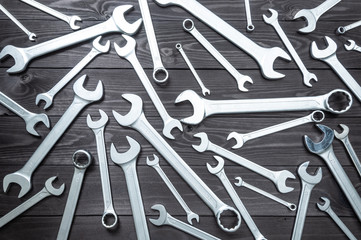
(81, 160)
(128, 162)
(31, 119)
(279, 178)
(343, 137)
(316, 116)
(109, 218)
(203, 108)
(324, 149)
(155, 164)
(329, 56)
(95, 51)
(116, 23)
(71, 20)
(312, 15)
(47, 191)
(342, 30)
(250, 26)
(31, 35)
(351, 45)
(137, 120)
(166, 219)
(264, 56)
(188, 26)
(82, 98)
(273, 21)
(128, 52)
(205, 90)
(158, 68)
(327, 208)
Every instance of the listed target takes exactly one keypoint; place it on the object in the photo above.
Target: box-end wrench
(343, 30)
(71, 20)
(136, 119)
(188, 26)
(351, 45)
(109, 217)
(81, 160)
(250, 26)
(273, 21)
(82, 98)
(279, 178)
(203, 108)
(31, 119)
(116, 23)
(324, 149)
(128, 162)
(47, 191)
(155, 164)
(97, 49)
(128, 52)
(316, 116)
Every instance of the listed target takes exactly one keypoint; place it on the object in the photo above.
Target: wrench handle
(324, 7)
(14, 106)
(340, 224)
(47, 9)
(352, 26)
(247, 6)
(353, 155)
(17, 22)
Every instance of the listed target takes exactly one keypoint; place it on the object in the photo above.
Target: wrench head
(191, 216)
(82, 159)
(128, 156)
(325, 206)
(324, 144)
(52, 190)
(135, 112)
(218, 168)
(72, 22)
(324, 53)
(308, 77)
(203, 146)
(273, 18)
(20, 58)
(282, 177)
(19, 178)
(343, 134)
(238, 137)
(169, 124)
(32, 37)
(34, 120)
(162, 219)
(46, 97)
(310, 179)
(99, 123)
(239, 182)
(350, 45)
(153, 162)
(127, 49)
(198, 106)
(99, 47)
(310, 19)
(241, 81)
(123, 25)
(268, 58)
(91, 96)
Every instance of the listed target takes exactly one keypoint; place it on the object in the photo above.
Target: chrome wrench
(343, 30)
(250, 26)
(351, 45)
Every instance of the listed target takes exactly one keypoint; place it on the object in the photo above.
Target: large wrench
(81, 160)
(116, 23)
(109, 218)
(279, 178)
(273, 21)
(95, 51)
(82, 98)
(188, 26)
(351, 45)
(250, 26)
(264, 56)
(128, 52)
(342, 30)
(137, 120)
(203, 108)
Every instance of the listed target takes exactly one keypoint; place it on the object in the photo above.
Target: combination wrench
(343, 30)
(250, 26)
(351, 45)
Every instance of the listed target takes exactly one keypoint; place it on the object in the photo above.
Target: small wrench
(250, 26)
(81, 160)
(205, 90)
(352, 46)
(342, 30)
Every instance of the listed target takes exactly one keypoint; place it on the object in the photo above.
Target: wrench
(158, 69)
(155, 164)
(342, 30)
(137, 120)
(325, 150)
(82, 98)
(273, 21)
(312, 15)
(166, 219)
(47, 191)
(241, 183)
(265, 57)
(188, 26)
(71, 20)
(327, 208)
(95, 51)
(352, 46)
(343, 137)
(279, 178)
(128, 162)
(329, 56)
(220, 173)
(128, 52)
(250, 26)
(81, 160)
(116, 23)
(203, 108)
(31, 35)
(205, 90)
(316, 116)
(308, 183)
(109, 218)
(31, 119)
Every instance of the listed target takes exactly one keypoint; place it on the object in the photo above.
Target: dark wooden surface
(284, 150)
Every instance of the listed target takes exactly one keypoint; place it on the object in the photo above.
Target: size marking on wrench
(250, 26)
(343, 30)
(351, 45)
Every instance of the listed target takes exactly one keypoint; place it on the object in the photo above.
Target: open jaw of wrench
(265, 57)
(351, 45)
(136, 119)
(279, 178)
(250, 26)
(82, 98)
(128, 52)
(316, 116)
(116, 23)
(343, 30)
(203, 108)
(324, 149)
(97, 49)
